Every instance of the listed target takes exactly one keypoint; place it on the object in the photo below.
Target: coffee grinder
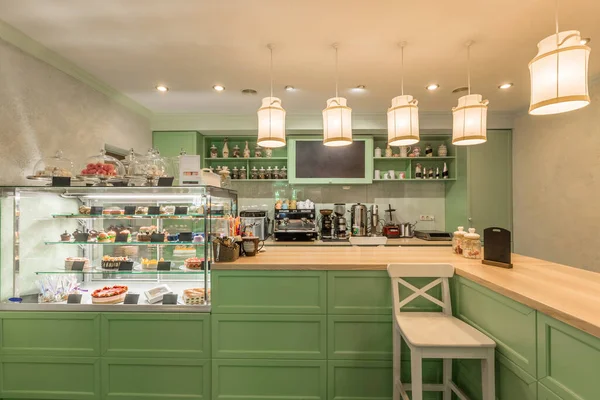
(391, 230)
(340, 229)
(327, 224)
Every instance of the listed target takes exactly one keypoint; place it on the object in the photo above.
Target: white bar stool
(435, 335)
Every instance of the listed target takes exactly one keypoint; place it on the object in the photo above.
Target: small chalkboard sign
(96, 210)
(126, 266)
(61, 181)
(74, 299)
(169, 298)
(122, 238)
(130, 210)
(181, 210)
(157, 238)
(153, 210)
(165, 181)
(164, 266)
(185, 236)
(131, 298)
(77, 265)
(118, 184)
(497, 250)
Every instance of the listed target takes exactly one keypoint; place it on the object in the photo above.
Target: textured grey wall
(43, 109)
(556, 186)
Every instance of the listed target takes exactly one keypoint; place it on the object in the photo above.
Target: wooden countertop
(390, 242)
(568, 294)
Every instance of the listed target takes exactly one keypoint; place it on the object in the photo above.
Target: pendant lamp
(337, 117)
(271, 118)
(559, 74)
(469, 124)
(403, 116)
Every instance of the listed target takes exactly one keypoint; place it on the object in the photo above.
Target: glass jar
(54, 166)
(235, 173)
(254, 173)
(275, 173)
(103, 166)
(283, 173)
(269, 173)
(261, 173)
(457, 239)
(471, 244)
(243, 173)
(152, 165)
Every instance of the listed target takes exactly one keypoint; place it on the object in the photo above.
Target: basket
(225, 254)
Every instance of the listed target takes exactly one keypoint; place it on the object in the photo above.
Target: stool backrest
(439, 271)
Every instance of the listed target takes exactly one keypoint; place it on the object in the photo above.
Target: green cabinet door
(160, 379)
(269, 379)
(170, 144)
(359, 337)
(359, 380)
(359, 292)
(568, 360)
(545, 394)
(269, 336)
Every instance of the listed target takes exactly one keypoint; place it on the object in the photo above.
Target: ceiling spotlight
(290, 88)
(219, 88)
(432, 86)
(359, 88)
(505, 86)
(249, 92)
(585, 41)
(162, 88)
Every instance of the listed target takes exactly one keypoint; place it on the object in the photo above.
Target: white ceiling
(191, 44)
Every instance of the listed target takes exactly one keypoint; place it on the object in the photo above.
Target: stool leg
(488, 376)
(447, 378)
(397, 355)
(416, 372)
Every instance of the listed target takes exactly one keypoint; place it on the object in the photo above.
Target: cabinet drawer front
(269, 379)
(50, 377)
(50, 333)
(568, 360)
(269, 336)
(359, 292)
(366, 337)
(545, 394)
(142, 378)
(156, 335)
(269, 292)
(509, 323)
(360, 380)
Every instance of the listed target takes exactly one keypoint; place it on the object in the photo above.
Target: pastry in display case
(102, 169)
(49, 167)
(94, 244)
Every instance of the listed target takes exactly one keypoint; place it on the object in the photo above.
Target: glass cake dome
(103, 166)
(56, 165)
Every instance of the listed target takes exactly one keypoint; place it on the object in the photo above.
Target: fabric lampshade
(271, 123)
(403, 121)
(559, 75)
(337, 123)
(469, 121)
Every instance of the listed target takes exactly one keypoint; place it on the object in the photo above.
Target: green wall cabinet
(568, 360)
(170, 144)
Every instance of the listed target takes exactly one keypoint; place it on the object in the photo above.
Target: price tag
(126, 266)
(181, 210)
(74, 299)
(153, 210)
(157, 238)
(77, 266)
(121, 238)
(96, 210)
(131, 298)
(61, 181)
(118, 184)
(164, 266)
(165, 181)
(169, 298)
(130, 210)
(185, 236)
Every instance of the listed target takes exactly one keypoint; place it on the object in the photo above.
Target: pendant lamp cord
(271, 69)
(402, 68)
(335, 46)
(556, 21)
(469, 67)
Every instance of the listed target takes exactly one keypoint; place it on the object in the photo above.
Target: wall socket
(427, 218)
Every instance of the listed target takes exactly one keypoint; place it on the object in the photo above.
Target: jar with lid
(235, 173)
(283, 173)
(57, 165)
(275, 173)
(254, 173)
(471, 244)
(457, 239)
(261, 173)
(214, 153)
(243, 173)
(269, 173)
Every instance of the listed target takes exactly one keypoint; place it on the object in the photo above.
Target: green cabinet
(269, 336)
(170, 144)
(359, 337)
(269, 292)
(545, 394)
(269, 379)
(359, 380)
(359, 292)
(568, 360)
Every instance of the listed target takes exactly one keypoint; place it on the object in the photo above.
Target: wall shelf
(414, 180)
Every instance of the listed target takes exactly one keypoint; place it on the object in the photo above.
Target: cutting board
(497, 249)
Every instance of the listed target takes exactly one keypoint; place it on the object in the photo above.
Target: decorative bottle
(445, 172)
(225, 149)
(247, 150)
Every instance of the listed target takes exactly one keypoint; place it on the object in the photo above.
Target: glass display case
(100, 246)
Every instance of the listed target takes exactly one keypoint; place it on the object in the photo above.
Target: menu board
(315, 160)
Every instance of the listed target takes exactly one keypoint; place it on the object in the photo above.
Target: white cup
(401, 175)
(377, 174)
(386, 175)
(392, 174)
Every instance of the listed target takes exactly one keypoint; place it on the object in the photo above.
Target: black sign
(118, 184)
(126, 266)
(157, 238)
(170, 298)
(181, 210)
(130, 210)
(74, 299)
(77, 265)
(131, 298)
(185, 236)
(122, 238)
(164, 266)
(96, 210)
(497, 247)
(166, 181)
(61, 181)
(153, 210)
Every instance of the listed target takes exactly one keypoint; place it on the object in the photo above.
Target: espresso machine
(295, 225)
(339, 221)
(327, 222)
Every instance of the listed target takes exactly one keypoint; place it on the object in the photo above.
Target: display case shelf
(259, 180)
(414, 180)
(245, 159)
(413, 158)
(117, 272)
(126, 243)
(134, 217)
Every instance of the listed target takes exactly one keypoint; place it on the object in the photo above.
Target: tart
(184, 251)
(194, 263)
(195, 296)
(141, 211)
(65, 237)
(85, 210)
(126, 232)
(150, 263)
(70, 260)
(109, 295)
(109, 262)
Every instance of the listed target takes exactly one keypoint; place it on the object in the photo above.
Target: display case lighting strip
(149, 196)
